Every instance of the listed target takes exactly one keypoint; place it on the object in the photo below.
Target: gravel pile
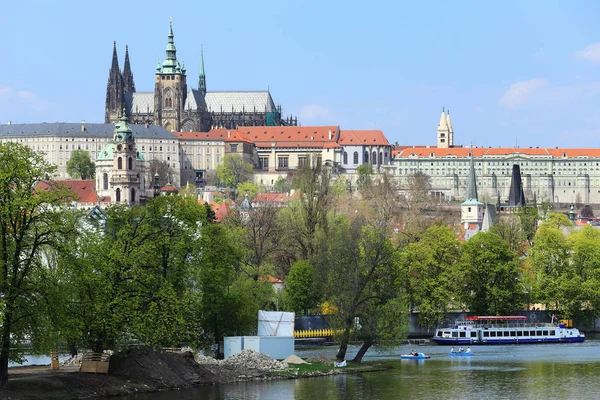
(251, 359)
(206, 360)
(73, 361)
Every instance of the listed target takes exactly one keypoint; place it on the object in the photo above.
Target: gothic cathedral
(176, 108)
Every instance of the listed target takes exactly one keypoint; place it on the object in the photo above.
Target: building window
(263, 163)
(105, 181)
(130, 166)
(355, 160)
(283, 163)
(380, 157)
(345, 157)
(366, 156)
(118, 195)
(302, 161)
(132, 195)
(374, 158)
(119, 163)
(233, 148)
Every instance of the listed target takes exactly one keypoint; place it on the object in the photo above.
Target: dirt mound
(294, 359)
(160, 370)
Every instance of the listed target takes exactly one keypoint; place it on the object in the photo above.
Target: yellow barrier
(317, 333)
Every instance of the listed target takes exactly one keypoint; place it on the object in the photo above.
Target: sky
(512, 73)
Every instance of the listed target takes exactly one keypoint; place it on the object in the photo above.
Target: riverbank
(144, 370)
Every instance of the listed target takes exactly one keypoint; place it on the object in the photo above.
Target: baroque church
(176, 108)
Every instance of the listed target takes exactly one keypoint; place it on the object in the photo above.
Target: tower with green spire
(170, 89)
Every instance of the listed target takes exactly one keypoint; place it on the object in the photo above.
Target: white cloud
(590, 53)
(521, 93)
(314, 112)
(17, 103)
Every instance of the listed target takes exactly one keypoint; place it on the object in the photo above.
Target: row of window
(373, 158)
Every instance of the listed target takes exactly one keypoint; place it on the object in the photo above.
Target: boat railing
(511, 324)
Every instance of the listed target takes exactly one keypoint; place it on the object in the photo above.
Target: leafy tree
(233, 170)
(529, 218)
(509, 229)
(301, 287)
(557, 220)
(80, 165)
(247, 188)
(282, 185)
(30, 221)
(365, 173)
(490, 273)
(549, 258)
(419, 186)
(430, 273)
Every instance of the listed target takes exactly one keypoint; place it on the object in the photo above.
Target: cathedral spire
(115, 60)
(202, 76)
(128, 83)
(472, 184)
(171, 65)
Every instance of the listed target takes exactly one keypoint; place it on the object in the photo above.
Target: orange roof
(236, 136)
(168, 188)
(270, 279)
(221, 210)
(84, 189)
(491, 151)
(363, 137)
(270, 198)
(291, 136)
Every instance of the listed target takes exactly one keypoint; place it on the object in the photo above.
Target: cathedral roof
(81, 130)
(250, 101)
(139, 103)
(193, 99)
(362, 138)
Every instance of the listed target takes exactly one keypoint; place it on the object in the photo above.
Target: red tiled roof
(270, 279)
(271, 198)
(221, 210)
(84, 189)
(291, 136)
(363, 137)
(213, 134)
(401, 151)
(168, 188)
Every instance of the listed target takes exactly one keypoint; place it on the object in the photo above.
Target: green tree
(365, 175)
(164, 171)
(529, 217)
(80, 165)
(557, 220)
(30, 221)
(247, 188)
(233, 170)
(430, 273)
(549, 258)
(301, 287)
(490, 276)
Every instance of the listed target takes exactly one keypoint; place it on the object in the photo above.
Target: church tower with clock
(120, 167)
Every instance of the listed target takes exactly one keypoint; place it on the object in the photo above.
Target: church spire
(171, 65)
(472, 184)
(128, 83)
(202, 76)
(115, 60)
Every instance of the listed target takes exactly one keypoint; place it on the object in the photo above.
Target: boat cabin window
(545, 333)
(506, 333)
(525, 333)
(539, 333)
(552, 333)
(454, 334)
(463, 334)
(473, 334)
(513, 333)
(493, 334)
(519, 333)
(486, 334)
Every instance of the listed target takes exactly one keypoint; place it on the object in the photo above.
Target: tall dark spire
(516, 197)
(202, 76)
(128, 83)
(114, 90)
(472, 183)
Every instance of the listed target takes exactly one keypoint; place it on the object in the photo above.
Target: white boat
(513, 329)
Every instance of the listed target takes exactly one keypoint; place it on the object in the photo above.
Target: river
(545, 371)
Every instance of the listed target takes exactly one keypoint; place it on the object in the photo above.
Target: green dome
(107, 153)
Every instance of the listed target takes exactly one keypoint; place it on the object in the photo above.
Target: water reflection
(504, 372)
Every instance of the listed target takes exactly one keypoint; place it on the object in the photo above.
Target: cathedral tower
(128, 84)
(114, 90)
(202, 76)
(443, 132)
(170, 89)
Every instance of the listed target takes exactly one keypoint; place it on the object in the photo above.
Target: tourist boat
(505, 330)
(418, 356)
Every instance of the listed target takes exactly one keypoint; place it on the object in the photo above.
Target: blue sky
(523, 73)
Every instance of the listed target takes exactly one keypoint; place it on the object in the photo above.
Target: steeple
(171, 65)
(450, 130)
(202, 77)
(443, 132)
(114, 90)
(115, 60)
(516, 196)
(472, 184)
(128, 83)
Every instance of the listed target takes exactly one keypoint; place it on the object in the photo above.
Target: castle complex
(179, 109)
